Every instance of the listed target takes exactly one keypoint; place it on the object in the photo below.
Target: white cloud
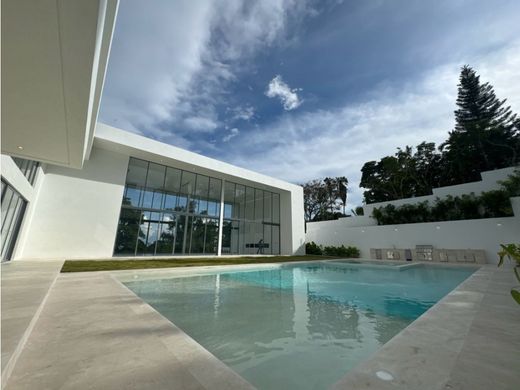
(172, 60)
(154, 55)
(232, 134)
(170, 63)
(199, 123)
(289, 97)
(337, 142)
(244, 113)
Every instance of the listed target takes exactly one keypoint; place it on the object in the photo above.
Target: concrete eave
(124, 142)
(54, 57)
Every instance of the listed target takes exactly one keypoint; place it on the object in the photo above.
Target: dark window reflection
(168, 211)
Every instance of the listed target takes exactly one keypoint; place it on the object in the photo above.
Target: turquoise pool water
(298, 326)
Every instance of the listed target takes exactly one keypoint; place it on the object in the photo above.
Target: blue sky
(304, 89)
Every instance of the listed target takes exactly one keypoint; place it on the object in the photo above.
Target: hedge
(311, 248)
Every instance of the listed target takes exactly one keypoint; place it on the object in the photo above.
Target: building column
(221, 219)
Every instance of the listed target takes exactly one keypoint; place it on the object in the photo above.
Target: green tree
(406, 174)
(486, 135)
(323, 198)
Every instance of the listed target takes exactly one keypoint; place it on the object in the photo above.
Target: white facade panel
(293, 223)
(77, 211)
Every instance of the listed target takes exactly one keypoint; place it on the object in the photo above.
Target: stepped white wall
(486, 234)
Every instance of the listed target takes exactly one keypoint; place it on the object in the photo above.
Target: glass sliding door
(197, 236)
(13, 207)
(166, 238)
(211, 237)
(127, 232)
(180, 235)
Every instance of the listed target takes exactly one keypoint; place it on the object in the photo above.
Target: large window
(29, 168)
(251, 220)
(168, 211)
(13, 209)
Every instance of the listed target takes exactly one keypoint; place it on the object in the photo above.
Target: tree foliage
(406, 174)
(486, 136)
(489, 204)
(322, 198)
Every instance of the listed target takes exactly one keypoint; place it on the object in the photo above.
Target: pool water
(298, 326)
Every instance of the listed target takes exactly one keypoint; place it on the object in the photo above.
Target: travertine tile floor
(24, 286)
(469, 340)
(93, 333)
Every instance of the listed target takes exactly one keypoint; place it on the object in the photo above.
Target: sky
(301, 89)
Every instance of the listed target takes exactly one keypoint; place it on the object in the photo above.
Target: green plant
(311, 248)
(512, 184)
(359, 210)
(341, 251)
(512, 252)
(490, 204)
(352, 251)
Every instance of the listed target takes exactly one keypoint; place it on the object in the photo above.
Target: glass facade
(251, 220)
(29, 168)
(168, 211)
(13, 209)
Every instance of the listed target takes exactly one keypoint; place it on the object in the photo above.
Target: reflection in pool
(298, 326)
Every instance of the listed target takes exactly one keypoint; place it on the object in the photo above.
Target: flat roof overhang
(54, 57)
(127, 143)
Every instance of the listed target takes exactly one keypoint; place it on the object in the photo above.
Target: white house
(76, 188)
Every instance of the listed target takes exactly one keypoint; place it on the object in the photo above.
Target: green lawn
(110, 265)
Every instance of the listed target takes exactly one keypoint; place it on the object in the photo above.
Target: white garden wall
(485, 234)
(488, 183)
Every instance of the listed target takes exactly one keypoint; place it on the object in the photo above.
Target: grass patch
(114, 265)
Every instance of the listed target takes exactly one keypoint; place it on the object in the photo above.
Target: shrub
(491, 204)
(359, 210)
(496, 203)
(311, 248)
(342, 251)
(352, 251)
(512, 184)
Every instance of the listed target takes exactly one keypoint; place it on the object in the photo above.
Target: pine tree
(486, 134)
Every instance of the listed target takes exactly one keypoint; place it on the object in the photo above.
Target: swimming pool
(299, 326)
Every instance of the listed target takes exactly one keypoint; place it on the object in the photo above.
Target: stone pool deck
(88, 331)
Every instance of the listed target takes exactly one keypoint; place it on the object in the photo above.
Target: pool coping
(465, 296)
(183, 344)
(416, 357)
(427, 353)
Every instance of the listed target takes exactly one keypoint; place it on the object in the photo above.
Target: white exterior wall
(486, 234)
(292, 223)
(77, 211)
